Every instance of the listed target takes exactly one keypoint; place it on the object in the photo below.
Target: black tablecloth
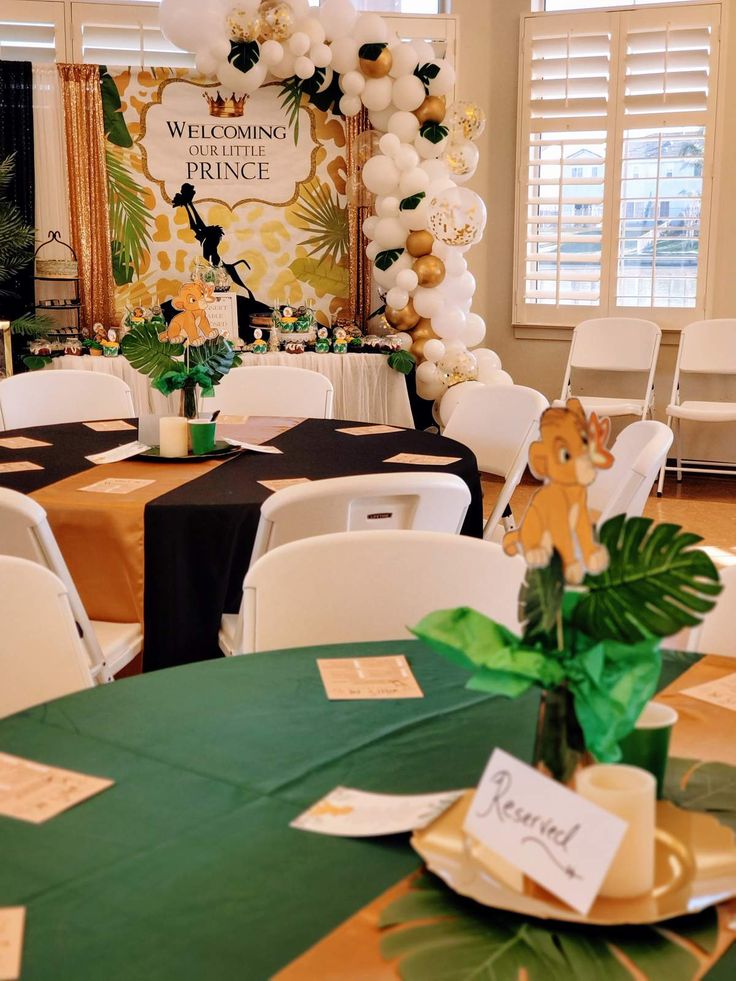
(198, 538)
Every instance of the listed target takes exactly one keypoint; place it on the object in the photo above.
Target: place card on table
(359, 678)
(231, 420)
(109, 426)
(12, 925)
(30, 791)
(253, 447)
(119, 453)
(276, 485)
(19, 467)
(21, 443)
(721, 692)
(116, 485)
(352, 813)
(423, 459)
(560, 840)
(369, 430)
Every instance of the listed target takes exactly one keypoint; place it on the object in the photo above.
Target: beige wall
(488, 73)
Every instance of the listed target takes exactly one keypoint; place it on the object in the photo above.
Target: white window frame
(37, 11)
(540, 317)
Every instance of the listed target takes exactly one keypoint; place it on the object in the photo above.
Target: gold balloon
(380, 67)
(405, 319)
(243, 26)
(432, 110)
(420, 335)
(419, 244)
(430, 270)
(278, 20)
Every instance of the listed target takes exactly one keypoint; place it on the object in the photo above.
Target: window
(551, 5)
(615, 151)
(123, 34)
(32, 31)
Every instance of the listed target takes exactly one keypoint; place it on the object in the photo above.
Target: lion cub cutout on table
(192, 324)
(570, 450)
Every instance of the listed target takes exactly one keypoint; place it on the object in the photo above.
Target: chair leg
(679, 452)
(660, 485)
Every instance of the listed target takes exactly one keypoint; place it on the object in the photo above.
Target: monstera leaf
(147, 353)
(402, 361)
(540, 601)
(216, 357)
(655, 584)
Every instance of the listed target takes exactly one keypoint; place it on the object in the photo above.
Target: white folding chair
(274, 390)
(717, 633)
(639, 451)
(26, 534)
(41, 398)
(620, 344)
(498, 423)
(707, 347)
(367, 502)
(411, 573)
(41, 654)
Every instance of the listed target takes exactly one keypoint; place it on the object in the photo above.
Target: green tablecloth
(187, 868)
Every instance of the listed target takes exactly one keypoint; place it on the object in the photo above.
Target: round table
(172, 552)
(186, 868)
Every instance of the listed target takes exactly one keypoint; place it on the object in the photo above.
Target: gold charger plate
(695, 867)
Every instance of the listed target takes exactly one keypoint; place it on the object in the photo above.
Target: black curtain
(16, 136)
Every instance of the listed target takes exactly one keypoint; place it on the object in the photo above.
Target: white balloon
(405, 59)
(301, 8)
(405, 125)
(370, 29)
(377, 94)
(271, 53)
(386, 278)
(407, 280)
(430, 381)
(231, 77)
(425, 51)
(406, 157)
(444, 83)
(455, 264)
(437, 170)
(408, 93)
(405, 340)
(350, 105)
(285, 67)
(344, 54)
(221, 49)
(484, 355)
(352, 83)
(475, 331)
(321, 55)
(389, 144)
(397, 298)
(312, 28)
(434, 350)
(372, 250)
(337, 17)
(205, 63)
(369, 226)
(452, 397)
(427, 303)
(379, 120)
(415, 219)
(380, 175)
(388, 207)
(493, 376)
(304, 68)
(413, 182)
(428, 150)
(180, 23)
(390, 234)
(448, 323)
(299, 43)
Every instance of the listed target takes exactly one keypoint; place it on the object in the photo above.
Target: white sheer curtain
(52, 189)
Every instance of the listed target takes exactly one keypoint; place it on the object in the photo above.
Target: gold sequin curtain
(360, 265)
(85, 142)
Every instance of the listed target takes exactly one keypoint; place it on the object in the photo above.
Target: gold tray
(695, 867)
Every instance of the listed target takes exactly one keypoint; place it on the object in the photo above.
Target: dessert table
(366, 389)
(186, 868)
(172, 552)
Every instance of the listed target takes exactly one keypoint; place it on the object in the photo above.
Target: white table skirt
(366, 389)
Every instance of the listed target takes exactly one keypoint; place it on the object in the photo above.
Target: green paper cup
(202, 436)
(648, 745)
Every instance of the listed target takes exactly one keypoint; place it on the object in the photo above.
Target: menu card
(12, 925)
(358, 678)
(19, 467)
(30, 791)
(355, 814)
(721, 692)
(369, 430)
(21, 443)
(119, 453)
(116, 485)
(276, 485)
(423, 459)
(254, 447)
(109, 426)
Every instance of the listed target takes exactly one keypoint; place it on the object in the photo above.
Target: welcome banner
(256, 185)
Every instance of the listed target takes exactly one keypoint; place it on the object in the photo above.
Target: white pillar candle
(629, 793)
(173, 436)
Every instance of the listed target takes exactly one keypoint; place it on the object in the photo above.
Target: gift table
(173, 552)
(366, 389)
(187, 868)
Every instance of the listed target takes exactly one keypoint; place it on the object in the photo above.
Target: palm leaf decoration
(147, 354)
(321, 215)
(217, 357)
(130, 219)
(16, 237)
(292, 90)
(656, 583)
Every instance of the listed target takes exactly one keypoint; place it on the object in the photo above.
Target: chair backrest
(717, 635)
(366, 502)
(41, 398)
(41, 655)
(274, 390)
(26, 534)
(639, 452)
(708, 346)
(408, 573)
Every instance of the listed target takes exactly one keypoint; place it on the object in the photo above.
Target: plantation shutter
(32, 31)
(123, 34)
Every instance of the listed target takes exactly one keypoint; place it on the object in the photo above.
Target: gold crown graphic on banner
(226, 108)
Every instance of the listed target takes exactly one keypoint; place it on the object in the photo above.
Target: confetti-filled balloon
(465, 120)
(278, 20)
(462, 159)
(457, 217)
(244, 25)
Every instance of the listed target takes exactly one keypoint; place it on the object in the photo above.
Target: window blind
(130, 44)
(27, 41)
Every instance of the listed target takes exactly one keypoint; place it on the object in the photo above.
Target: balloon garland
(424, 220)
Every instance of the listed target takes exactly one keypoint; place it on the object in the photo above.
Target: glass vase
(188, 406)
(559, 746)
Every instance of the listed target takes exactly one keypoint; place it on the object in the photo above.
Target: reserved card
(354, 814)
(109, 426)
(560, 840)
(124, 452)
(19, 467)
(116, 485)
(33, 792)
(721, 692)
(253, 447)
(231, 420)
(21, 443)
(12, 925)
(357, 678)
(276, 485)
(423, 460)
(369, 430)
